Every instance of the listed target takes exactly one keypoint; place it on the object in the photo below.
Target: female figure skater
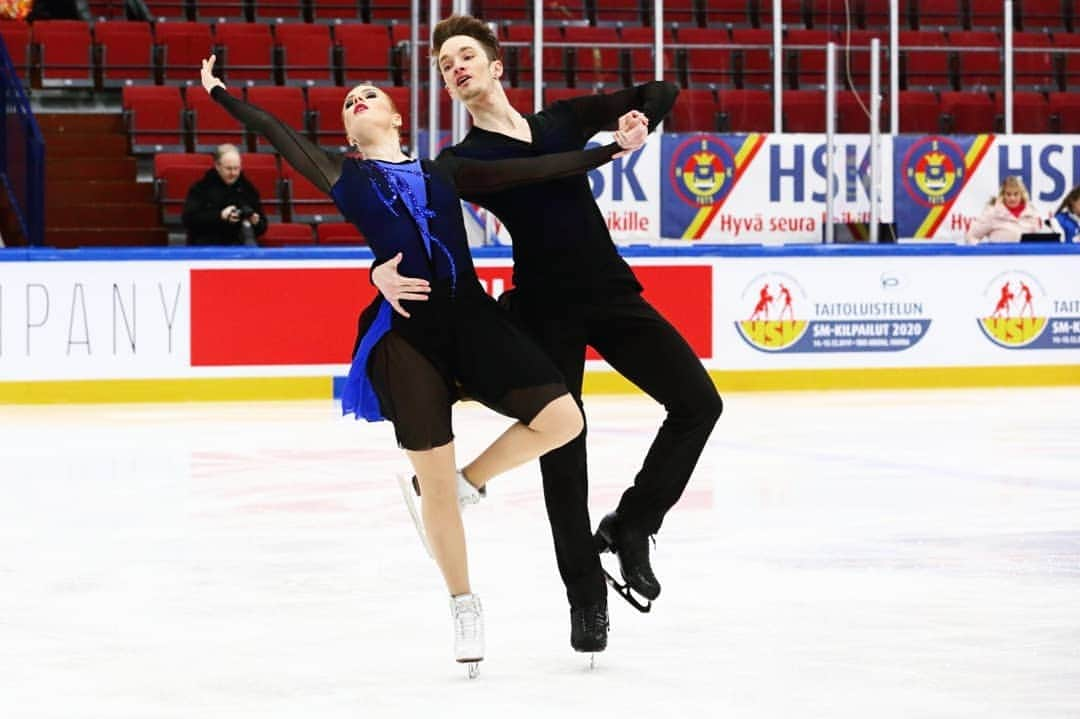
(407, 368)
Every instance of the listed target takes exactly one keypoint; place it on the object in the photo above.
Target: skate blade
(472, 667)
(592, 662)
(642, 605)
(406, 493)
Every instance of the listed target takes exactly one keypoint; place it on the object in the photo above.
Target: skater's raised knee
(560, 421)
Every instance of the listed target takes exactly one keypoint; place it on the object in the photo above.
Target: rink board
(165, 325)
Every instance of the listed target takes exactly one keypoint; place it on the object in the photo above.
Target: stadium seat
(791, 13)
(717, 13)
(1048, 14)
(1031, 113)
(853, 117)
(874, 15)
(262, 171)
(365, 52)
(518, 58)
(753, 61)
(641, 58)
(126, 51)
(216, 10)
(1065, 111)
(211, 125)
(285, 103)
(154, 118)
(306, 202)
(1068, 45)
(685, 12)
(629, 12)
(521, 98)
(804, 111)
(245, 52)
(335, 11)
(920, 111)
(924, 60)
(505, 10)
(181, 47)
(282, 10)
(325, 105)
(927, 14)
(339, 233)
(168, 9)
(17, 40)
(64, 50)
(979, 53)
(1033, 61)
(858, 59)
(745, 110)
(707, 64)
(967, 112)
(695, 111)
(809, 56)
(989, 14)
(174, 174)
(592, 63)
(287, 234)
(306, 52)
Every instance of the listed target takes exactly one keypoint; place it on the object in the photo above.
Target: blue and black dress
(411, 370)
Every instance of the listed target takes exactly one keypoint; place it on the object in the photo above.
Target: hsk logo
(933, 171)
(1019, 312)
(778, 320)
(703, 170)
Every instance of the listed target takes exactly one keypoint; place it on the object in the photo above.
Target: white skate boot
(466, 493)
(468, 631)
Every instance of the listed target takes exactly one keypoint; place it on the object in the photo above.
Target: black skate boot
(632, 549)
(589, 627)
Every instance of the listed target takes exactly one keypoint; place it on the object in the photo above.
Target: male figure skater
(572, 289)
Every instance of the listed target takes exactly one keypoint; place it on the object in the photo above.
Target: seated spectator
(1007, 217)
(223, 208)
(1067, 217)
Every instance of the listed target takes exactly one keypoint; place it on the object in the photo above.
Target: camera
(245, 211)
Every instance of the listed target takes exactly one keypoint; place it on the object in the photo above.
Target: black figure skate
(632, 549)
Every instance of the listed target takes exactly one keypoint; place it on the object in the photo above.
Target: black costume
(572, 289)
(459, 335)
(205, 201)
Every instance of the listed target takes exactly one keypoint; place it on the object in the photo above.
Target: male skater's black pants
(646, 349)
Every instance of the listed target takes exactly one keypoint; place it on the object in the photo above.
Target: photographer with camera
(223, 208)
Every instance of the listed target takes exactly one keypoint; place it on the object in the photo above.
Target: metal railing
(22, 155)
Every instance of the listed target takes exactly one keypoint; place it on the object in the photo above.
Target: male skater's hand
(632, 133)
(209, 82)
(395, 288)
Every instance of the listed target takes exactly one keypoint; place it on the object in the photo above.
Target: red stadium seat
(174, 174)
(365, 53)
(282, 10)
(641, 58)
(694, 111)
(1033, 61)
(17, 40)
(755, 59)
(246, 52)
(171, 9)
(718, 13)
(521, 98)
(307, 54)
(808, 52)
(127, 52)
(1047, 14)
(631, 12)
(154, 117)
(182, 46)
(980, 57)
(211, 10)
(707, 64)
(853, 117)
(339, 233)
(555, 94)
(858, 59)
(685, 12)
(791, 13)
(262, 171)
(989, 14)
(518, 59)
(592, 63)
(928, 14)
(287, 234)
(325, 105)
(874, 14)
(924, 60)
(920, 111)
(804, 111)
(306, 202)
(211, 125)
(1031, 112)
(64, 47)
(505, 10)
(969, 112)
(1065, 110)
(1068, 45)
(745, 110)
(336, 10)
(285, 103)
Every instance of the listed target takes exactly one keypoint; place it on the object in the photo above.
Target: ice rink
(851, 554)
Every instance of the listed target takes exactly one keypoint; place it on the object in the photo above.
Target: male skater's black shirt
(561, 241)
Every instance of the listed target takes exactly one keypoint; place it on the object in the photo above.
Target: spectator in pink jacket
(1008, 215)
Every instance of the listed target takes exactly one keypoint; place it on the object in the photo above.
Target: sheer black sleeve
(320, 167)
(602, 112)
(474, 178)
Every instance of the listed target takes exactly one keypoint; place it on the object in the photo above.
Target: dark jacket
(205, 201)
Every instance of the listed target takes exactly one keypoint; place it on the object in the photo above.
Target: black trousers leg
(646, 349)
(561, 334)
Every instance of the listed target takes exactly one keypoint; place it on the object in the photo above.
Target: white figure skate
(468, 632)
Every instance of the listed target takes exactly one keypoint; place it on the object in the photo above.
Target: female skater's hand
(209, 82)
(632, 133)
(395, 288)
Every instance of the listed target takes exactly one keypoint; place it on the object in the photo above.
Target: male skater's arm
(476, 178)
(595, 113)
(319, 167)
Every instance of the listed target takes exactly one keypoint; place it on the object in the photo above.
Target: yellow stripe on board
(747, 147)
(846, 379)
(224, 389)
(283, 388)
(973, 151)
(930, 221)
(695, 225)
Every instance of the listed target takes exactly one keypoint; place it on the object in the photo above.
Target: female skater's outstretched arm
(321, 168)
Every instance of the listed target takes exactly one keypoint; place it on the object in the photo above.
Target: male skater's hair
(466, 25)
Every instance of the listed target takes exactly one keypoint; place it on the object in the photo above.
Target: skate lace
(467, 619)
